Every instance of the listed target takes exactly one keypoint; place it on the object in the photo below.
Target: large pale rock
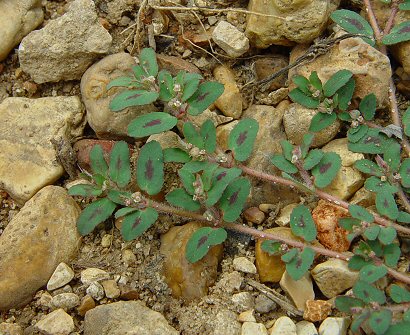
(253, 328)
(96, 97)
(298, 21)
(66, 46)
(28, 158)
(296, 121)
(371, 69)
(267, 142)
(339, 146)
(334, 277)
(283, 326)
(305, 328)
(37, 239)
(18, 18)
(299, 290)
(56, 323)
(187, 280)
(126, 317)
(332, 326)
(230, 39)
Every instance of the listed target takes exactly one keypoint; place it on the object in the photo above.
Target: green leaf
(166, 86)
(358, 320)
(192, 135)
(379, 321)
(321, 121)
(392, 155)
(196, 166)
(399, 33)
(386, 204)
(204, 96)
(202, 240)
(97, 161)
(391, 254)
(242, 138)
(85, 190)
(290, 255)
(369, 167)
(354, 135)
(315, 81)
(404, 6)
(208, 134)
(374, 184)
(302, 83)
(371, 143)
(345, 94)
(344, 116)
(188, 179)
(207, 176)
(302, 99)
(399, 328)
(121, 82)
(148, 61)
(399, 294)
(95, 213)
(221, 179)
(372, 232)
(404, 172)
(132, 98)
(403, 217)
(345, 304)
(118, 196)
(406, 318)
(137, 223)
(337, 81)
(368, 293)
(287, 149)
(139, 73)
(353, 23)
(300, 264)
(313, 159)
(273, 248)
(191, 83)
(150, 168)
(327, 169)
(349, 223)
(283, 164)
(120, 170)
(233, 199)
(306, 143)
(387, 235)
(357, 262)
(124, 211)
(368, 106)
(176, 155)
(152, 123)
(360, 213)
(302, 224)
(180, 198)
(371, 273)
(406, 121)
(376, 247)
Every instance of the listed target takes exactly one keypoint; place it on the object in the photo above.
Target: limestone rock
(38, 238)
(371, 69)
(296, 121)
(18, 19)
(230, 102)
(339, 146)
(283, 218)
(296, 21)
(264, 305)
(10, 329)
(230, 282)
(347, 181)
(305, 328)
(253, 328)
(299, 290)
(28, 158)
(91, 275)
(86, 304)
(317, 310)
(62, 275)
(363, 198)
(334, 277)
(175, 64)
(247, 316)
(125, 317)
(264, 67)
(243, 301)
(102, 120)
(95, 290)
(244, 265)
(56, 323)
(65, 301)
(226, 323)
(111, 289)
(230, 39)
(331, 326)
(329, 233)
(283, 326)
(66, 46)
(187, 280)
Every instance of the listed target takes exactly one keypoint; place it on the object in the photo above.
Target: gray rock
(96, 291)
(91, 275)
(334, 277)
(18, 18)
(28, 158)
(244, 265)
(125, 317)
(299, 290)
(264, 305)
(65, 301)
(226, 323)
(38, 238)
(62, 275)
(253, 328)
(102, 120)
(283, 326)
(332, 326)
(56, 323)
(243, 301)
(66, 46)
(230, 39)
(230, 282)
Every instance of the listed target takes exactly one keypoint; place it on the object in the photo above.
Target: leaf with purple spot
(208, 134)
(152, 123)
(327, 169)
(95, 213)
(242, 138)
(204, 96)
(120, 170)
(221, 179)
(233, 199)
(132, 98)
(202, 240)
(150, 168)
(302, 224)
(386, 204)
(404, 172)
(300, 263)
(137, 223)
(148, 61)
(399, 33)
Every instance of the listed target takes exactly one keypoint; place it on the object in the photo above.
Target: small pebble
(284, 326)
(247, 316)
(264, 305)
(254, 215)
(96, 291)
(106, 240)
(91, 275)
(253, 328)
(56, 323)
(244, 265)
(61, 276)
(87, 303)
(111, 289)
(65, 301)
(243, 301)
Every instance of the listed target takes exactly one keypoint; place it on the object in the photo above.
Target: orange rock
(317, 310)
(326, 216)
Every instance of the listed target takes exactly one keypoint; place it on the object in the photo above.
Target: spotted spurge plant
(214, 184)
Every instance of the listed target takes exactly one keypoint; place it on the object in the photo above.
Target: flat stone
(331, 326)
(19, 17)
(77, 39)
(61, 276)
(244, 265)
(28, 158)
(38, 238)
(265, 67)
(317, 310)
(283, 326)
(91, 275)
(65, 301)
(253, 328)
(305, 328)
(111, 289)
(230, 39)
(125, 317)
(96, 97)
(56, 323)
(176, 64)
(87, 303)
(247, 316)
(334, 277)
(299, 290)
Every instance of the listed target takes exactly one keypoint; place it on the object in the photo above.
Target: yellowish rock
(317, 310)
(299, 290)
(363, 197)
(347, 181)
(340, 146)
